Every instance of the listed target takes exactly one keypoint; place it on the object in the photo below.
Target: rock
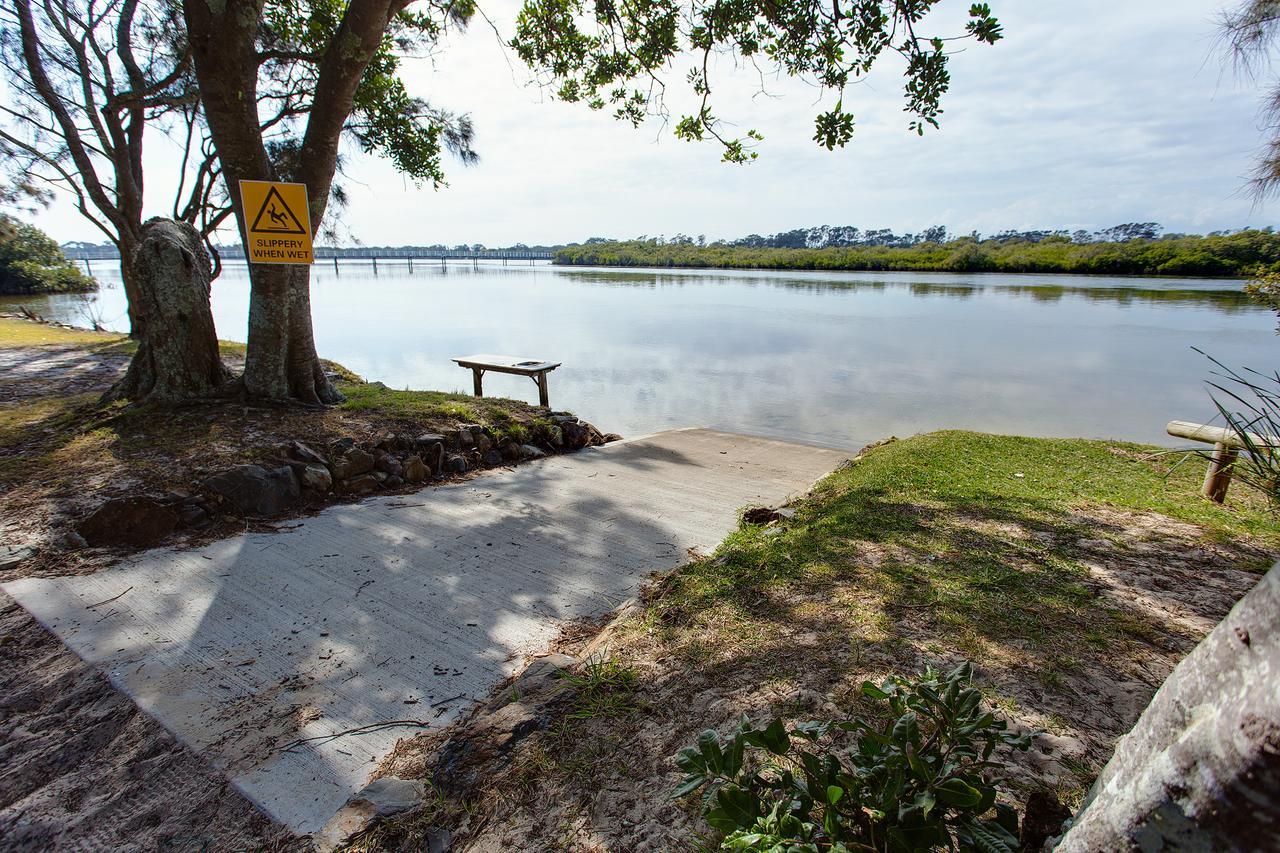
(426, 440)
(575, 435)
(72, 541)
(11, 556)
(353, 464)
(483, 442)
(415, 470)
(380, 477)
(455, 464)
(389, 465)
(510, 450)
(513, 714)
(193, 515)
(528, 451)
(342, 446)
(302, 453)
(594, 438)
(556, 436)
(765, 515)
(137, 521)
(562, 418)
(465, 439)
(492, 458)
(380, 798)
(610, 437)
(361, 484)
(431, 448)
(316, 478)
(254, 490)
(392, 482)
(1042, 819)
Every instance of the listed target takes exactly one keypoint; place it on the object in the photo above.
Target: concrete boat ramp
(256, 651)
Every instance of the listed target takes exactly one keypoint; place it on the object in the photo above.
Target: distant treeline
(1131, 249)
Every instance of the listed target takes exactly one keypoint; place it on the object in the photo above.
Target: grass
(23, 333)
(973, 533)
(16, 333)
(604, 687)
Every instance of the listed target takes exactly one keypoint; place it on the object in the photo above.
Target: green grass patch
(962, 535)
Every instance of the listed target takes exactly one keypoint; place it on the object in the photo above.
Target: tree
(1249, 33)
(281, 83)
(1200, 770)
(614, 54)
(32, 262)
(87, 78)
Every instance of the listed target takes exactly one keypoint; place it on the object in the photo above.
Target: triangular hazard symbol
(275, 217)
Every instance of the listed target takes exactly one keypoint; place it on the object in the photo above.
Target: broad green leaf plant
(926, 779)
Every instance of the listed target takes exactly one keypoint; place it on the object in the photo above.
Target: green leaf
(872, 692)
(690, 784)
(958, 792)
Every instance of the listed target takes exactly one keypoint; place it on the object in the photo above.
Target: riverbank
(1244, 254)
(77, 476)
(1074, 574)
(84, 766)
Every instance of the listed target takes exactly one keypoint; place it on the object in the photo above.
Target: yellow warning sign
(279, 222)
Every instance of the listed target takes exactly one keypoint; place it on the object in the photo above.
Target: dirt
(31, 373)
(86, 770)
(602, 784)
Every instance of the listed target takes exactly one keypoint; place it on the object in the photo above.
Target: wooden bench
(1227, 445)
(531, 367)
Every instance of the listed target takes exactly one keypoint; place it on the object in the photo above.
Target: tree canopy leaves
(616, 54)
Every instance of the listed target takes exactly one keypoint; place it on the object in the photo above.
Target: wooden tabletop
(506, 363)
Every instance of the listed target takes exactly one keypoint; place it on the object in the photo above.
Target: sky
(1087, 114)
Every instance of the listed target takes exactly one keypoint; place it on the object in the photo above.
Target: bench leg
(1218, 477)
(544, 399)
(476, 373)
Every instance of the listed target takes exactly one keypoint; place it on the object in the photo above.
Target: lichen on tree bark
(177, 356)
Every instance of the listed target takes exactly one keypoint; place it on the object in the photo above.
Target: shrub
(924, 779)
(31, 262)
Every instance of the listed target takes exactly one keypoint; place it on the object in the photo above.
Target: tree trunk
(177, 356)
(1201, 768)
(281, 361)
(128, 247)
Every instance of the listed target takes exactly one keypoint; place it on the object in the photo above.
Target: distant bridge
(405, 255)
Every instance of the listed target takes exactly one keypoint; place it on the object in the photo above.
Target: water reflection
(838, 358)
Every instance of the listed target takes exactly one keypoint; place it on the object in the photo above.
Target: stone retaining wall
(297, 477)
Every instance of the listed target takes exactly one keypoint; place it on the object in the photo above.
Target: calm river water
(835, 358)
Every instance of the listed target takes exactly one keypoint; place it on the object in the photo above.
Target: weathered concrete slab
(398, 609)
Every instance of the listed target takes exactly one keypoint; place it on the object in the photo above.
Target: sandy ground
(86, 770)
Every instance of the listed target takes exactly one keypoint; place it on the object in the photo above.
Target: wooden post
(1218, 477)
(543, 396)
(476, 373)
(410, 264)
(335, 263)
(375, 266)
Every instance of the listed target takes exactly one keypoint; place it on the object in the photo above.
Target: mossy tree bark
(1201, 768)
(177, 356)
